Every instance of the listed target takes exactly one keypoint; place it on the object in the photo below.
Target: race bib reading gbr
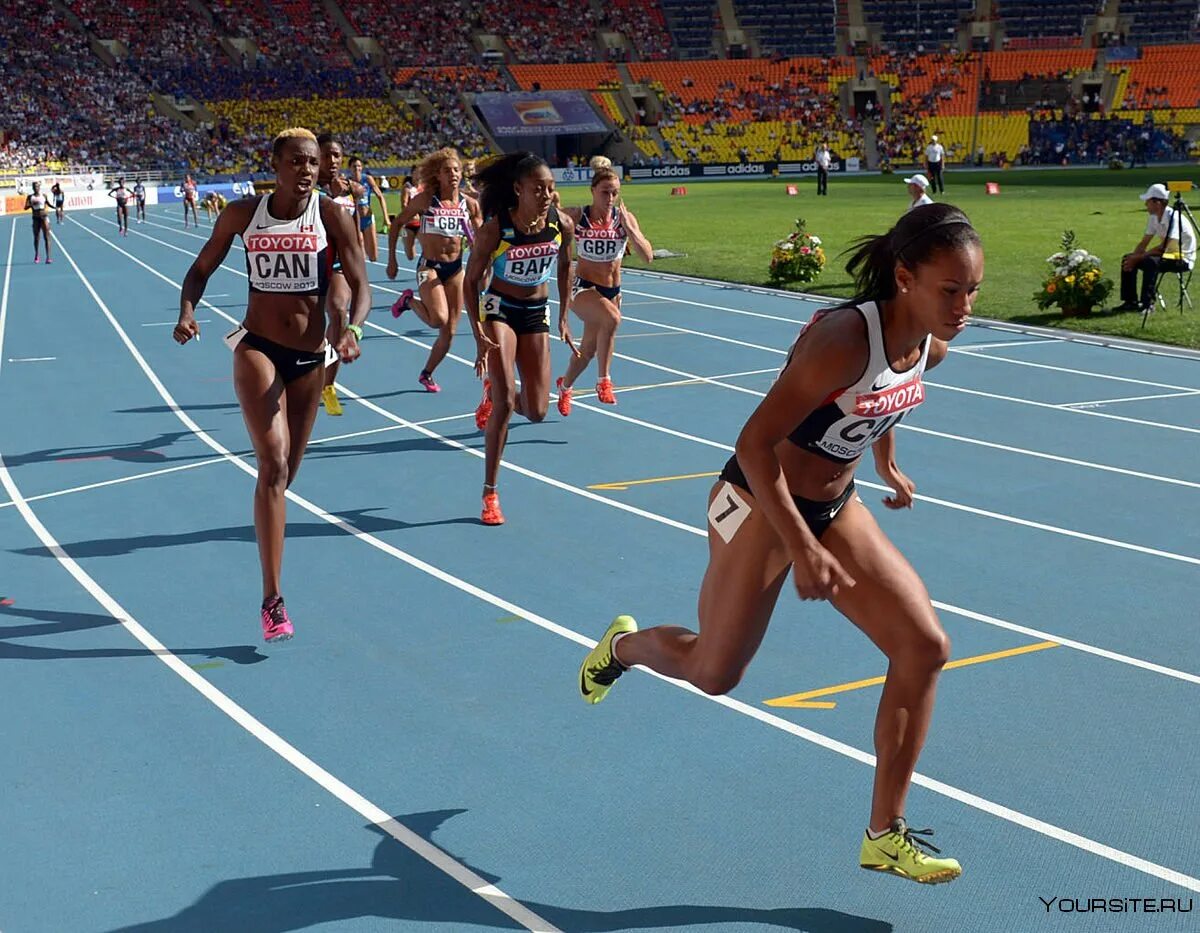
(445, 221)
(600, 245)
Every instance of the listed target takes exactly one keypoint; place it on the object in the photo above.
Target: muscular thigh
(533, 363)
(889, 601)
(300, 400)
(593, 308)
(747, 567)
(501, 360)
(260, 392)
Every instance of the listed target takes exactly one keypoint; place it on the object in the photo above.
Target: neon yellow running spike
(897, 853)
(330, 400)
(600, 668)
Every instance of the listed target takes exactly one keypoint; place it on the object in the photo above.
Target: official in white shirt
(824, 160)
(1172, 227)
(918, 185)
(934, 156)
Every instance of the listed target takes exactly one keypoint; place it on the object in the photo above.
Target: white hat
(1156, 191)
(917, 180)
(933, 138)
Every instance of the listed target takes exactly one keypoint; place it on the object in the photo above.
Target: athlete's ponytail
(497, 181)
(913, 241)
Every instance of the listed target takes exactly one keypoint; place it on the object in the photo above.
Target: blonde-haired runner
(446, 218)
(279, 349)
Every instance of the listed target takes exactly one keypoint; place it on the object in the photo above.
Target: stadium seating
(692, 23)
(1014, 104)
(1041, 19)
(1163, 21)
(920, 26)
(801, 27)
(583, 76)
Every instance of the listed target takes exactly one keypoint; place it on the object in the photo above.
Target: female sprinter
(39, 206)
(278, 359)
(786, 501)
(601, 233)
(525, 241)
(122, 196)
(344, 194)
(139, 197)
(189, 200)
(366, 216)
(60, 201)
(468, 186)
(446, 218)
(209, 202)
(408, 191)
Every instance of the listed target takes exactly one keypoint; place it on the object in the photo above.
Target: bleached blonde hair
(295, 132)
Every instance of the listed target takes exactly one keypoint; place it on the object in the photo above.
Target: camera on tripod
(1173, 246)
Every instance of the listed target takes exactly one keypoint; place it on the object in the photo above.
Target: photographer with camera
(1176, 252)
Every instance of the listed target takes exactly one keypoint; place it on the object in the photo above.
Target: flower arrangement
(798, 258)
(1075, 283)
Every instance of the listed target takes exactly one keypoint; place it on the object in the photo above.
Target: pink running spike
(428, 383)
(401, 304)
(275, 622)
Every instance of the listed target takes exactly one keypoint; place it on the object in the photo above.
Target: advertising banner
(736, 169)
(230, 190)
(579, 175)
(541, 113)
(809, 167)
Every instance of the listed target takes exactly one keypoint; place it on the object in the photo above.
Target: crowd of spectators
(439, 36)
(1080, 139)
(447, 123)
(61, 103)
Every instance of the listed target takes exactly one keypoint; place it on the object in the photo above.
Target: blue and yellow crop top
(527, 259)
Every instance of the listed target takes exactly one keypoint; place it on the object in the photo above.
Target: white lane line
(440, 859)
(173, 323)
(116, 482)
(1130, 398)
(31, 359)
(12, 238)
(970, 351)
(1014, 816)
(1058, 407)
(199, 463)
(1009, 343)
(1087, 464)
(701, 304)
